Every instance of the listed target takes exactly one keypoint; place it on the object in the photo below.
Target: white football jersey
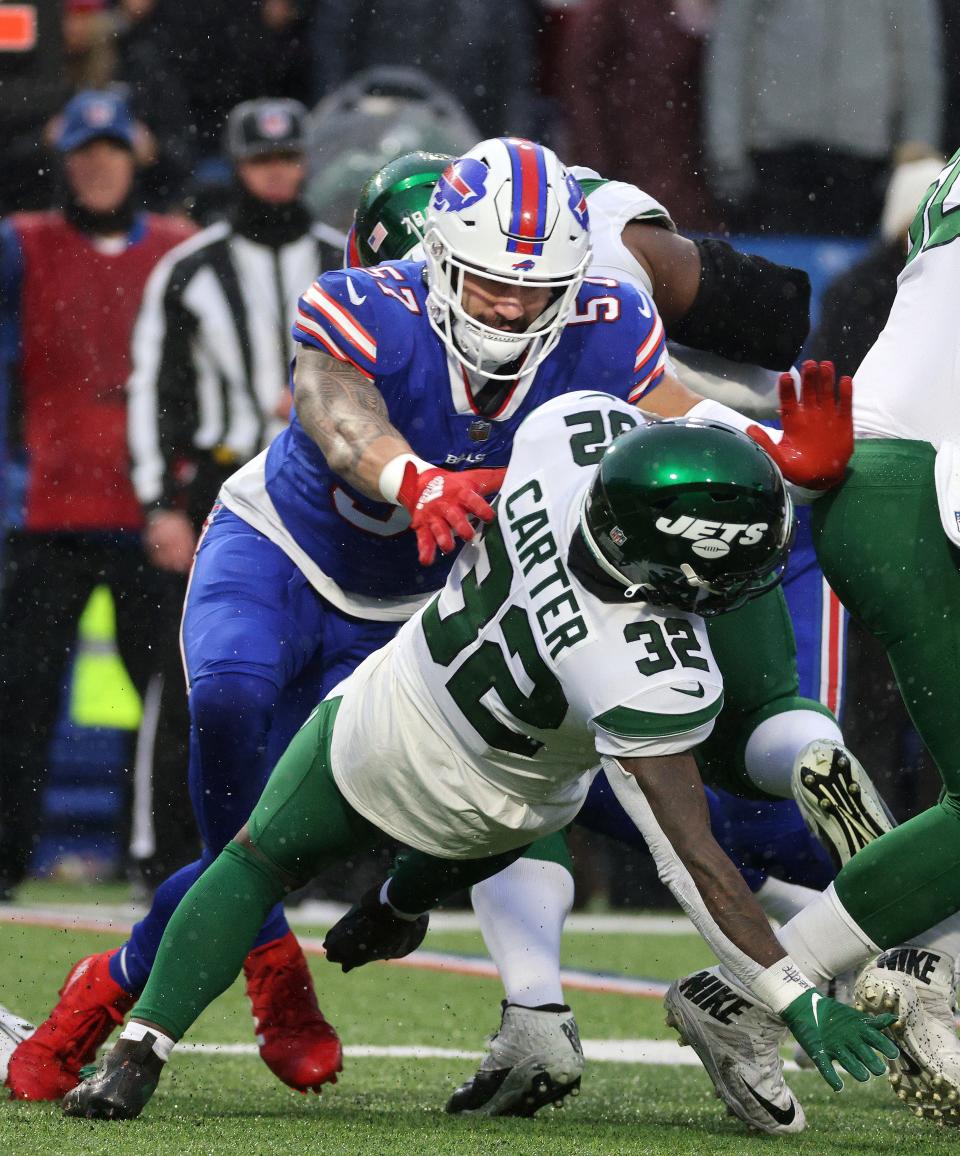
(613, 205)
(908, 385)
(477, 728)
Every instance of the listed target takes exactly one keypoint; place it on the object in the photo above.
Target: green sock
(420, 881)
(552, 849)
(907, 881)
(208, 938)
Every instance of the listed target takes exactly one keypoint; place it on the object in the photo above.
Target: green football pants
(883, 550)
(301, 826)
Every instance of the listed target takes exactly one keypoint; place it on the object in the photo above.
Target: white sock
(521, 912)
(823, 939)
(162, 1044)
(774, 745)
(781, 900)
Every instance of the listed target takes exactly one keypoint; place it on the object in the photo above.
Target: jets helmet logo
(712, 539)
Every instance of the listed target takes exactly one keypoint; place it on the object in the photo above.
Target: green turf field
(212, 1103)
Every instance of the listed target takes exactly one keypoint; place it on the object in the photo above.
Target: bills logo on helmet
(461, 184)
(524, 266)
(577, 202)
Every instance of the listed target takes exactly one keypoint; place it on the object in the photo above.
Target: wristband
(391, 476)
(717, 411)
(780, 984)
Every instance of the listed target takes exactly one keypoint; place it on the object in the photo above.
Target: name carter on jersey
(526, 517)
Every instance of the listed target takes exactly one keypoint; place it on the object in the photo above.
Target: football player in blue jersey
(522, 910)
(410, 381)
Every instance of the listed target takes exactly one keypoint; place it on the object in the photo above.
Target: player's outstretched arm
(345, 414)
(664, 798)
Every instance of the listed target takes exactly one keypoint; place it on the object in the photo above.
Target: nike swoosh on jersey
(354, 295)
(781, 1115)
(698, 693)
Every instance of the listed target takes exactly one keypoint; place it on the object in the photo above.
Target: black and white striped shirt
(211, 350)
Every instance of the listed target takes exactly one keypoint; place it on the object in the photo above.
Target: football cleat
(916, 984)
(738, 1041)
(533, 1060)
(122, 1084)
(13, 1031)
(47, 1064)
(839, 803)
(296, 1042)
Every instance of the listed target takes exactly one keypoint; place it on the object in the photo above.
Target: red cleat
(296, 1042)
(47, 1065)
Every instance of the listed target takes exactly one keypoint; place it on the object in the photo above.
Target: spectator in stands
(807, 103)
(484, 54)
(70, 285)
(628, 78)
(211, 351)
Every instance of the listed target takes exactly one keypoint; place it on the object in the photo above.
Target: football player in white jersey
(710, 296)
(888, 541)
(570, 632)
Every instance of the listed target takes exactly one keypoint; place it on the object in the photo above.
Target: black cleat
(121, 1086)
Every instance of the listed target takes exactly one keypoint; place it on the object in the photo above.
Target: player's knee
(232, 706)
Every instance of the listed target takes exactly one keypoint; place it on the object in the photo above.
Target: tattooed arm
(346, 416)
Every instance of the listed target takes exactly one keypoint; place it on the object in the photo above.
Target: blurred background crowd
(804, 130)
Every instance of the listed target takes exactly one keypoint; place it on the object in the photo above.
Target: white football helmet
(507, 210)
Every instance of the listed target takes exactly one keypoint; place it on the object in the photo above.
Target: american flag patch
(377, 237)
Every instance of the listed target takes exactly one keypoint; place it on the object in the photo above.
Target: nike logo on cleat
(698, 693)
(911, 961)
(781, 1115)
(713, 996)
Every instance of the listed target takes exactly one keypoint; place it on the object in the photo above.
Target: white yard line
(93, 916)
(602, 1051)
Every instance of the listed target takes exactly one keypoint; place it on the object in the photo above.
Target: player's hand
(440, 502)
(370, 930)
(169, 540)
(829, 1031)
(817, 427)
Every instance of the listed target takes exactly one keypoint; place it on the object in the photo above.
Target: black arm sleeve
(747, 309)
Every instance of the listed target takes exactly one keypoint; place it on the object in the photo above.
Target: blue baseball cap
(95, 116)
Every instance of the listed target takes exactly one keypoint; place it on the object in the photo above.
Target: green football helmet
(689, 514)
(392, 208)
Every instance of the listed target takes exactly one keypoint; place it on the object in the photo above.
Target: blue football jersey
(376, 320)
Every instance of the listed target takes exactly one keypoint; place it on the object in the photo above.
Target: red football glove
(439, 501)
(817, 429)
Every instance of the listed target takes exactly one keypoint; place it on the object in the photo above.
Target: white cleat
(533, 1060)
(839, 803)
(738, 1041)
(14, 1030)
(916, 984)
